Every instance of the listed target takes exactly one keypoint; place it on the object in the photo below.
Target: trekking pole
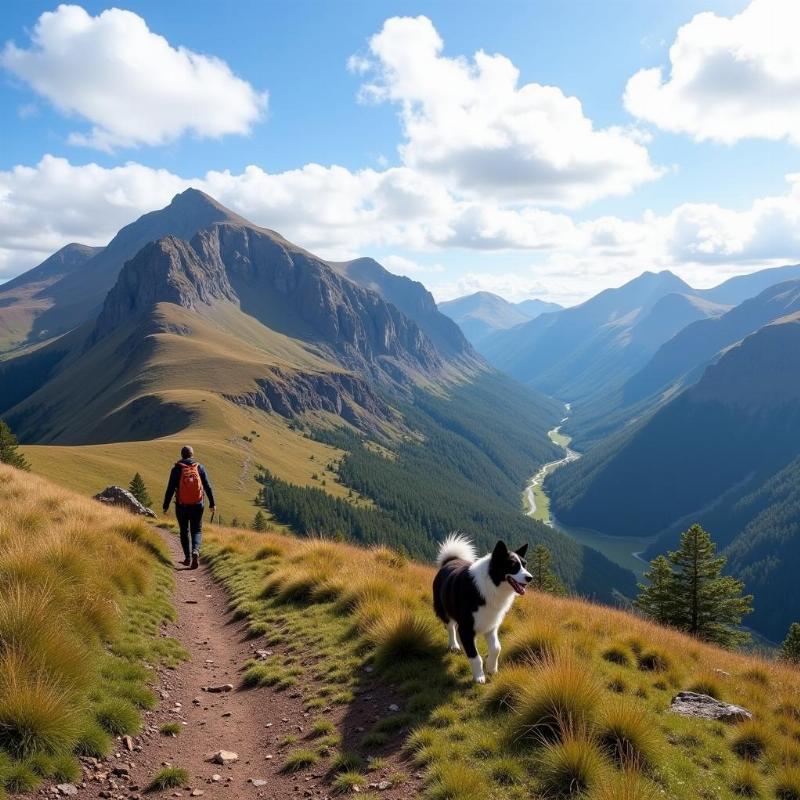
(212, 515)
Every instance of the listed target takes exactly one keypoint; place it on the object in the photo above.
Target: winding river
(622, 550)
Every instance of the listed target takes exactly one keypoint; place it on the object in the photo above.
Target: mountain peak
(192, 199)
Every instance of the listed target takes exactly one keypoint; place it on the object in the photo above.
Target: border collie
(472, 596)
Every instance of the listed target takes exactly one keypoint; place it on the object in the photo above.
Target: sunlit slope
(84, 593)
(218, 434)
(138, 405)
(579, 708)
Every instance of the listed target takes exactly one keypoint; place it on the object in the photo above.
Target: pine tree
(259, 522)
(138, 489)
(790, 649)
(9, 449)
(657, 599)
(708, 604)
(544, 579)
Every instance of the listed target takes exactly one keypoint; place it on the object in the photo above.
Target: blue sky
(673, 175)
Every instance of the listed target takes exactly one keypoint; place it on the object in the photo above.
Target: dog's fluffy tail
(455, 546)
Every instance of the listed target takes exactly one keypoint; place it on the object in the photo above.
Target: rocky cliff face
(166, 271)
(291, 394)
(357, 323)
(415, 301)
(283, 286)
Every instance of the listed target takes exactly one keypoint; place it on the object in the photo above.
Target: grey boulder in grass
(703, 706)
(117, 496)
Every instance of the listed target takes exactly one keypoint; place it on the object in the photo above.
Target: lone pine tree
(688, 591)
(790, 649)
(259, 522)
(544, 579)
(9, 449)
(138, 489)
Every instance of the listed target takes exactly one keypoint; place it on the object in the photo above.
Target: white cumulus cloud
(131, 84)
(471, 122)
(339, 214)
(730, 78)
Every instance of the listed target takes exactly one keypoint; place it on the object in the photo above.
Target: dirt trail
(247, 722)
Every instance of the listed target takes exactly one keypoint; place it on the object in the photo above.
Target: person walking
(189, 483)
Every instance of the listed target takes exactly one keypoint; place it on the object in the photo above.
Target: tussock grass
(562, 701)
(571, 767)
(83, 594)
(747, 780)
(708, 683)
(347, 782)
(403, 634)
(507, 688)
(321, 727)
(751, 740)
(118, 717)
(170, 729)
(787, 784)
(628, 785)
(653, 660)
(300, 759)
(618, 654)
(533, 642)
(626, 734)
(169, 778)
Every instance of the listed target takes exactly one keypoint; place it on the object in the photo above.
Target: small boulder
(117, 496)
(224, 757)
(223, 687)
(67, 789)
(702, 706)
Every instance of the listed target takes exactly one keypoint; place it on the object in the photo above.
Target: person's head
(186, 451)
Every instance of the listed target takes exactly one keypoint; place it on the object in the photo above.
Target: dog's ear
(500, 549)
(522, 550)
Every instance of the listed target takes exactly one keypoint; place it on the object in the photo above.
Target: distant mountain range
(195, 324)
(483, 313)
(723, 452)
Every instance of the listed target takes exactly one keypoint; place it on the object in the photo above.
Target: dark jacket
(174, 479)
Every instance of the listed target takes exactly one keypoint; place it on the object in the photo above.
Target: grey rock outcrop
(291, 394)
(122, 498)
(703, 706)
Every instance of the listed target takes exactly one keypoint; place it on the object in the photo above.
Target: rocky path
(204, 696)
(247, 723)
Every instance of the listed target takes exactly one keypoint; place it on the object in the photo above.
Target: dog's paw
(480, 679)
(454, 648)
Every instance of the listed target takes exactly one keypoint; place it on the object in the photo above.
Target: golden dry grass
(67, 568)
(588, 693)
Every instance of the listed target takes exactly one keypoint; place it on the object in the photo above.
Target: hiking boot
(195, 560)
(186, 561)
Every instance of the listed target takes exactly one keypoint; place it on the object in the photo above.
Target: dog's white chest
(489, 616)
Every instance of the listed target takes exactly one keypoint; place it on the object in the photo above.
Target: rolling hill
(482, 313)
(721, 453)
(270, 358)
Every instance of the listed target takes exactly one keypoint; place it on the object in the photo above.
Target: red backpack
(190, 486)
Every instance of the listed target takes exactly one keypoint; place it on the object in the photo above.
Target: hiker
(189, 483)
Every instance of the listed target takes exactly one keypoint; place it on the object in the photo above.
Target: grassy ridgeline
(84, 590)
(580, 700)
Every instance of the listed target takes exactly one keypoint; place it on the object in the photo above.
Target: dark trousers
(190, 520)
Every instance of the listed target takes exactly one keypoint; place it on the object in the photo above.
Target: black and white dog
(472, 596)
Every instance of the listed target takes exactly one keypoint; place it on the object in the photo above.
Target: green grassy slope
(579, 708)
(80, 616)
